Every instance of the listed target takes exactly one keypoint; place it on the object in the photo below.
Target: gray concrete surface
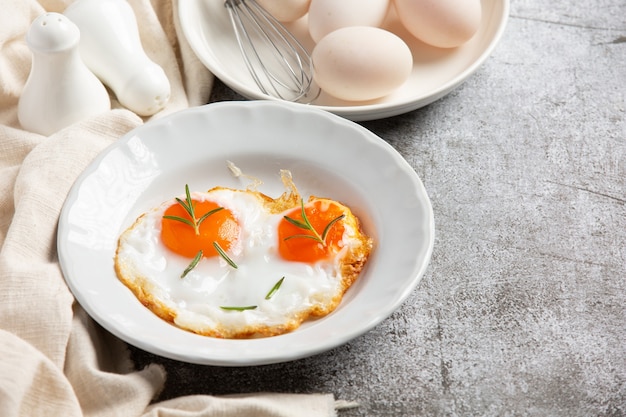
(522, 310)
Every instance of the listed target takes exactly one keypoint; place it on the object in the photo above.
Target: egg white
(196, 300)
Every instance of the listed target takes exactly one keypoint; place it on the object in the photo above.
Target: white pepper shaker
(60, 89)
(111, 48)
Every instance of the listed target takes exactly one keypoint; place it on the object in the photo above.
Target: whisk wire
(242, 33)
(282, 35)
(277, 62)
(274, 80)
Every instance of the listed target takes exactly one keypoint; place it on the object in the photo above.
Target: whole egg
(441, 23)
(286, 10)
(361, 63)
(326, 16)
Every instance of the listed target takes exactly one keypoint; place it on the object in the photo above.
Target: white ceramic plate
(327, 155)
(436, 71)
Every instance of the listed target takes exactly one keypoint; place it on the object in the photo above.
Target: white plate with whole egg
(435, 71)
(327, 156)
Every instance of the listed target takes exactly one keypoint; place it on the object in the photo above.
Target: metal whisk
(279, 64)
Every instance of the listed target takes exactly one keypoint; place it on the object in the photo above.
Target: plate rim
(369, 136)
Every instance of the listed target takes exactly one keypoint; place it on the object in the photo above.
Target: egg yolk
(220, 227)
(302, 249)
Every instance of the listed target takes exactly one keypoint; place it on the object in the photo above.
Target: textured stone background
(523, 308)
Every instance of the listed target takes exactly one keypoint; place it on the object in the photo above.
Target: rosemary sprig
(229, 308)
(195, 223)
(306, 225)
(275, 288)
(223, 254)
(193, 264)
(188, 206)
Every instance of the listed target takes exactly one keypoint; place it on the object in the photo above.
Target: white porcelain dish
(327, 155)
(436, 72)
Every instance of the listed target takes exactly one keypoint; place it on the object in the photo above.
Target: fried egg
(252, 267)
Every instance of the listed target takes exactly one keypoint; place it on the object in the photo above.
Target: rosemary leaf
(229, 308)
(305, 217)
(180, 219)
(274, 288)
(303, 236)
(223, 254)
(188, 209)
(207, 214)
(329, 225)
(189, 201)
(193, 264)
(296, 223)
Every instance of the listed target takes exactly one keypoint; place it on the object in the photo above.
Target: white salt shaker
(60, 89)
(111, 48)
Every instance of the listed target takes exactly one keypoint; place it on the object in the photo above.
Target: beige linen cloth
(54, 360)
